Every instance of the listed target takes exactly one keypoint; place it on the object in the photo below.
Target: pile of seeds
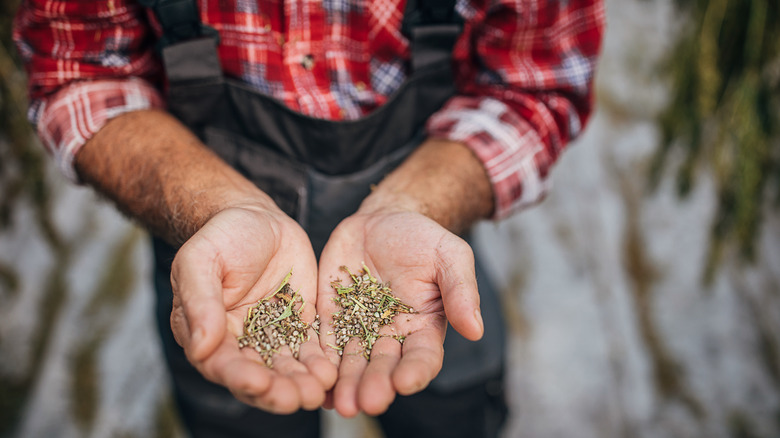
(367, 306)
(272, 324)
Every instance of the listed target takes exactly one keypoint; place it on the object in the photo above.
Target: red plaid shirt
(523, 68)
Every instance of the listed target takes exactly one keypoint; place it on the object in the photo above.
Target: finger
(282, 398)
(313, 357)
(251, 381)
(457, 281)
(197, 288)
(326, 308)
(353, 364)
(246, 379)
(328, 403)
(310, 391)
(328, 341)
(304, 281)
(376, 391)
(421, 359)
(232, 368)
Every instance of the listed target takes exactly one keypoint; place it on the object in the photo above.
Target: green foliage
(725, 114)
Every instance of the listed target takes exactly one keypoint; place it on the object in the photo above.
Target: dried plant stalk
(366, 306)
(724, 115)
(275, 322)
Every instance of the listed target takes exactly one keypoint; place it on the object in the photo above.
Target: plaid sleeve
(69, 118)
(87, 62)
(524, 71)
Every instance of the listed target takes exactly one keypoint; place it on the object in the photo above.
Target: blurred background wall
(643, 295)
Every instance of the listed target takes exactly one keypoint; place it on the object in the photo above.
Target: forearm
(442, 180)
(159, 173)
(522, 98)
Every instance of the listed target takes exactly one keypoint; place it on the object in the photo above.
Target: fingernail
(478, 317)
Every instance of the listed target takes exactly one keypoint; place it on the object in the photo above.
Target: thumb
(457, 280)
(197, 289)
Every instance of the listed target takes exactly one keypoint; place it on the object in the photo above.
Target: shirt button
(307, 62)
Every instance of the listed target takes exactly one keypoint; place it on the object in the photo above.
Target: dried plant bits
(366, 306)
(275, 322)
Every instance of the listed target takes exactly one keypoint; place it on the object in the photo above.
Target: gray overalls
(318, 172)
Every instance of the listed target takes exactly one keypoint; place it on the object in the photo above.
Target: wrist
(159, 173)
(388, 199)
(210, 202)
(442, 180)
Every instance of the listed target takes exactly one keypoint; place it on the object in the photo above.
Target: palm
(430, 270)
(237, 258)
(255, 261)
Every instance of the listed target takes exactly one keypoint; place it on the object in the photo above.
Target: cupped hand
(429, 269)
(238, 257)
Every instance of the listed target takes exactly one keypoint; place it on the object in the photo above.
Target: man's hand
(238, 257)
(239, 246)
(429, 269)
(404, 233)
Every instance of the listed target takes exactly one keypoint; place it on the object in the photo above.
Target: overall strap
(188, 47)
(180, 21)
(432, 26)
(202, 98)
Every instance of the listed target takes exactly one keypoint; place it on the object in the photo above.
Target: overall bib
(318, 172)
